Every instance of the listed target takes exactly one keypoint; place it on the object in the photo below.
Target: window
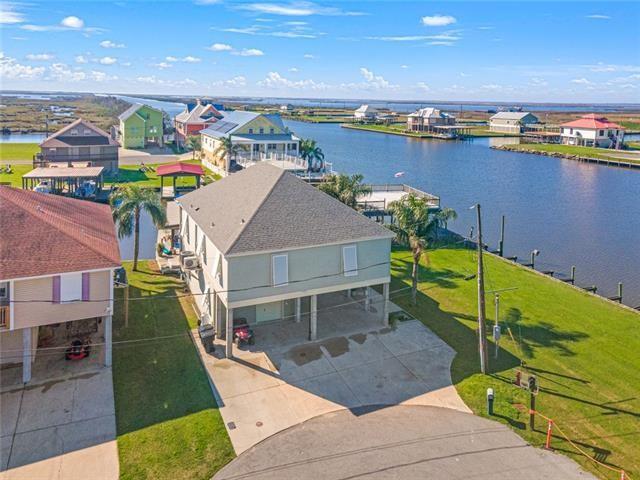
(271, 131)
(280, 270)
(250, 131)
(350, 260)
(203, 249)
(4, 291)
(601, 133)
(71, 287)
(195, 236)
(188, 231)
(261, 131)
(218, 270)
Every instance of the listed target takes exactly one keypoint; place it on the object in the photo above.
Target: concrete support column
(26, 355)
(298, 309)
(229, 339)
(108, 337)
(218, 315)
(313, 322)
(385, 304)
(349, 293)
(367, 298)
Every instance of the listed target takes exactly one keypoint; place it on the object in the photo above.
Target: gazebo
(176, 170)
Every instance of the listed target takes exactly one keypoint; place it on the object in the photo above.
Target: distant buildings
(254, 136)
(592, 131)
(424, 119)
(511, 122)
(79, 142)
(141, 126)
(365, 113)
(193, 119)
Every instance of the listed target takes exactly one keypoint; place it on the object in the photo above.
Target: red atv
(242, 334)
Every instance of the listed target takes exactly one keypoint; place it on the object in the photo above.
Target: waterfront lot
(168, 425)
(582, 349)
(588, 152)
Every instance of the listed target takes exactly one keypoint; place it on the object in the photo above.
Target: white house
(425, 119)
(511, 122)
(267, 247)
(592, 131)
(365, 113)
(257, 136)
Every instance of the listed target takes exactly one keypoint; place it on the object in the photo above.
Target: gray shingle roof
(510, 115)
(129, 111)
(265, 208)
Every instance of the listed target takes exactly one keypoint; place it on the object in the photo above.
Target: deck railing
(382, 205)
(4, 316)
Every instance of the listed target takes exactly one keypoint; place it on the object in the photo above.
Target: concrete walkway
(62, 429)
(263, 392)
(150, 156)
(399, 442)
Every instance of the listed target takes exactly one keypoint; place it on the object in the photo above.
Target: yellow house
(255, 137)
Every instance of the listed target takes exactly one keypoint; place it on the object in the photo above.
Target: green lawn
(168, 425)
(589, 152)
(485, 132)
(15, 177)
(583, 349)
(18, 151)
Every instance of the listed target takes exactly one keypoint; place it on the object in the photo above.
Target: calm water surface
(575, 214)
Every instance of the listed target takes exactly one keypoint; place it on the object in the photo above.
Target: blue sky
(503, 51)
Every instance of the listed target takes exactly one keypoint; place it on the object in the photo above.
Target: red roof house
(592, 121)
(592, 131)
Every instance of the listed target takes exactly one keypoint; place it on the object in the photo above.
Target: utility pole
(482, 339)
(496, 327)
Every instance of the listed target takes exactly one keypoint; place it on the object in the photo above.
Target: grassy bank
(570, 150)
(10, 152)
(168, 425)
(485, 132)
(394, 129)
(583, 350)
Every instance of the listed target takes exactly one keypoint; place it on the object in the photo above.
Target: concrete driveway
(150, 156)
(400, 442)
(60, 429)
(262, 393)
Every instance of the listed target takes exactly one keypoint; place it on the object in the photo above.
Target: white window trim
(71, 280)
(273, 269)
(350, 272)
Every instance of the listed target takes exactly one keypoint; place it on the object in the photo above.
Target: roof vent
(197, 208)
(213, 224)
(242, 220)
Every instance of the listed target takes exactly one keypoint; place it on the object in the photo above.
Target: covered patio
(64, 179)
(175, 171)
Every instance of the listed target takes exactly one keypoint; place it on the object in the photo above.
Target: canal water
(574, 214)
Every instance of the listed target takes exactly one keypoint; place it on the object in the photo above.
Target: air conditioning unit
(191, 263)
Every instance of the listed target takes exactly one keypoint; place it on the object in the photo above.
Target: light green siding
(143, 127)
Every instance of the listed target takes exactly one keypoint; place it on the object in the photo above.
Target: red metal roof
(592, 121)
(45, 234)
(179, 169)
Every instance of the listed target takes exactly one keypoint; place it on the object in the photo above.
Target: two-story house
(141, 126)
(424, 119)
(79, 142)
(57, 262)
(195, 118)
(511, 122)
(592, 131)
(268, 245)
(257, 137)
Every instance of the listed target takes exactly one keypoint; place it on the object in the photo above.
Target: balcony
(40, 160)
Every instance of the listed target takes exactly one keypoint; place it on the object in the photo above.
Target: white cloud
(10, 68)
(438, 20)
(491, 86)
(375, 81)
(309, 56)
(152, 79)
(277, 81)
(538, 82)
(110, 44)
(581, 81)
(9, 13)
(62, 73)
(423, 86)
(599, 17)
(72, 22)
(207, 2)
(39, 57)
(147, 79)
(296, 23)
(187, 59)
(220, 47)
(602, 67)
(442, 44)
(293, 70)
(162, 65)
(296, 9)
(81, 59)
(235, 82)
(98, 76)
(107, 60)
(486, 27)
(249, 52)
(404, 66)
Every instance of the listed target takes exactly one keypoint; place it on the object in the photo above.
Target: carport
(315, 317)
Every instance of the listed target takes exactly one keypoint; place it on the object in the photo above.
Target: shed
(175, 170)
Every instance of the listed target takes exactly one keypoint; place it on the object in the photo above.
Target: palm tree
(347, 189)
(127, 203)
(194, 144)
(415, 224)
(311, 153)
(228, 150)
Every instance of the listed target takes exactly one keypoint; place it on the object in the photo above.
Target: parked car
(43, 187)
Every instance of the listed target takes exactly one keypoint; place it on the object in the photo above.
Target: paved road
(399, 442)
